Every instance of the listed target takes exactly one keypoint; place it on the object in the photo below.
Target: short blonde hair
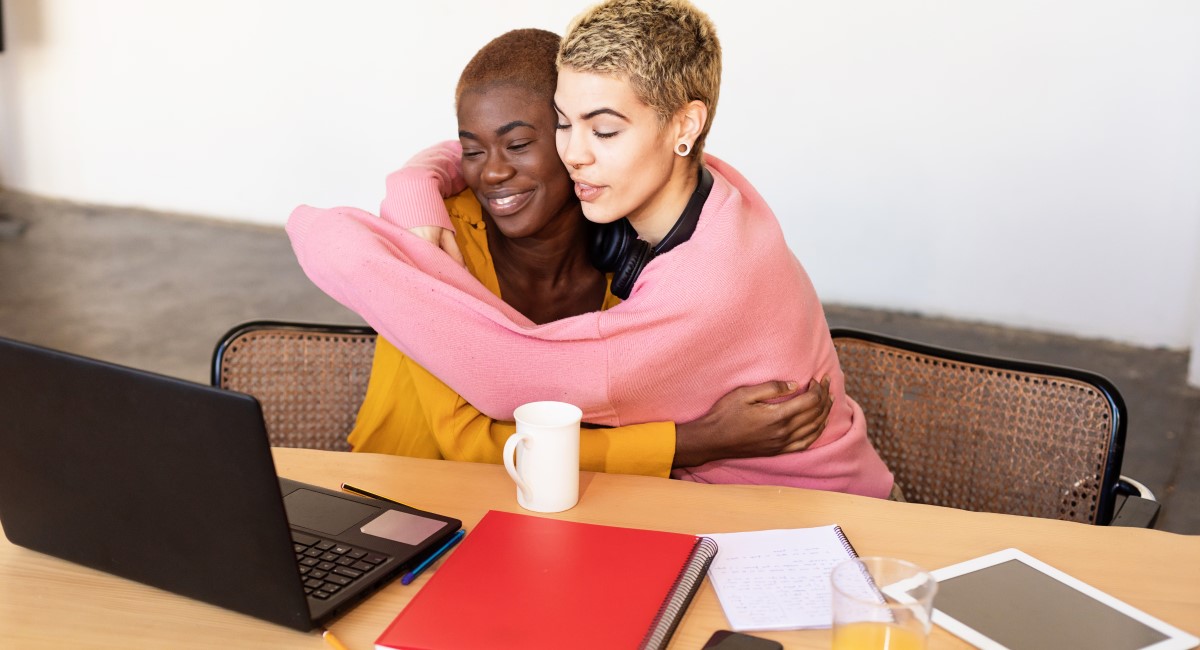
(667, 50)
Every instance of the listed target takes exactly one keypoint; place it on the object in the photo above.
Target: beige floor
(157, 291)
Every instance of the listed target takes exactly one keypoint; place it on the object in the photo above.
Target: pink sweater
(730, 307)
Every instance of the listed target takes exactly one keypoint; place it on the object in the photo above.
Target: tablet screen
(1024, 609)
(1009, 600)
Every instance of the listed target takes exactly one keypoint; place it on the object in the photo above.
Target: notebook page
(777, 579)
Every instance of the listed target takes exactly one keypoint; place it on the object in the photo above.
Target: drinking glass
(881, 603)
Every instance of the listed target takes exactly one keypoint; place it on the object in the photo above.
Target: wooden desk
(45, 602)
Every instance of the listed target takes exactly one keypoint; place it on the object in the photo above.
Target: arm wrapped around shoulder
(415, 192)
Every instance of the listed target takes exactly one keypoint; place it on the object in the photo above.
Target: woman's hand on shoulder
(443, 239)
(751, 421)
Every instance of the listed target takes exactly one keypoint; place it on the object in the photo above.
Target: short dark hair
(522, 57)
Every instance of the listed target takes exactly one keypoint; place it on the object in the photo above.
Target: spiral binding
(685, 588)
(845, 542)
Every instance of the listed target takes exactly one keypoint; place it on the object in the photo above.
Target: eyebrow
(604, 111)
(500, 131)
(598, 111)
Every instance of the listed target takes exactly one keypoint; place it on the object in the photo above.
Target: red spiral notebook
(519, 581)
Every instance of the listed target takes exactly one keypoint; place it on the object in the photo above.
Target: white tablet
(1010, 601)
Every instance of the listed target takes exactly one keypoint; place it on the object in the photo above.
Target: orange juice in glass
(881, 604)
(877, 636)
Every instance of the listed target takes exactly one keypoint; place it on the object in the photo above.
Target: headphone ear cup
(608, 243)
(636, 258)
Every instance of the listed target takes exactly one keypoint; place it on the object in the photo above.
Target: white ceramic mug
(547, 456)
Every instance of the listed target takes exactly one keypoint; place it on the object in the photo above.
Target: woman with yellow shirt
(519, 230)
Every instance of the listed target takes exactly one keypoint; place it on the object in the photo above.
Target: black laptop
(171, 483)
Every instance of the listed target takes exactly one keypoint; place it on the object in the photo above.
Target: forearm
(697, 443)
(414, 194)
(689, 451)
(437, 313)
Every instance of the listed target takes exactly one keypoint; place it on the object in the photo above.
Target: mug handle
(509, 462)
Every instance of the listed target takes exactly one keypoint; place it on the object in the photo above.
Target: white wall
(1023, 162)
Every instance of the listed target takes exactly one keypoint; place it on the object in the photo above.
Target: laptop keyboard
(328, 567)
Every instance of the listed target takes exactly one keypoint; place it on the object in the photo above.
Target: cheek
(471, 169)
(623, 164)
(551, 170)
(557, 181)
(637, 173)
(561, 137)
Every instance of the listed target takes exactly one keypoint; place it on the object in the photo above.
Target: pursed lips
(586, 191)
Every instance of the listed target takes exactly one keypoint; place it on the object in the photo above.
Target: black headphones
(615, 247)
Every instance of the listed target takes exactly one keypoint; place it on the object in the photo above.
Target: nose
(572, 149)
(497, 169)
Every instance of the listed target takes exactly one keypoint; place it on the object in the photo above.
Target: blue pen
(412, 575)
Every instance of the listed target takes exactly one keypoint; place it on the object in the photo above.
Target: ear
(689, 122)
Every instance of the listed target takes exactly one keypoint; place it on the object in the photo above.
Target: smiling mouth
(502, 206)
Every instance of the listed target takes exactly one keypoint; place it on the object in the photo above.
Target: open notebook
(778, 579)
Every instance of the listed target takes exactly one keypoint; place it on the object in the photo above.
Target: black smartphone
(726, 640)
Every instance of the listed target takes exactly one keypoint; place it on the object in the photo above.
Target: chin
(597, 214)
(512, 230)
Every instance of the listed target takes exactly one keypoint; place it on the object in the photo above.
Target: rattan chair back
(988, 434)
(309, 379)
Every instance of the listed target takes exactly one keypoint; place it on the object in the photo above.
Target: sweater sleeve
(437, 313)
(414, 193)
(464, 433)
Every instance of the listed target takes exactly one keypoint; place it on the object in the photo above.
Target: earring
(683, 149)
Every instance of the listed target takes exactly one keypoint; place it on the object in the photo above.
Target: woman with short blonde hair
(667, 51)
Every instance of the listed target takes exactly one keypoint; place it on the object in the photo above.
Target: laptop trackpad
(324, 513)
(403, 527)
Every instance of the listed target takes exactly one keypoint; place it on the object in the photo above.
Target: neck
(543, 254)
(547, 276)
(654, 220)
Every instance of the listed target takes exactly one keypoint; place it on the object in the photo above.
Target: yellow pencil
(333, 641)
(363, 493)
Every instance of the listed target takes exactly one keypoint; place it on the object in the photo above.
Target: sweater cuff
(643, 449)
(413, 199)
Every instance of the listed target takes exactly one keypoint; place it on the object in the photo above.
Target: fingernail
(791, 385)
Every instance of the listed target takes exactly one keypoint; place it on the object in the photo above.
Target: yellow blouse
(409, 412)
